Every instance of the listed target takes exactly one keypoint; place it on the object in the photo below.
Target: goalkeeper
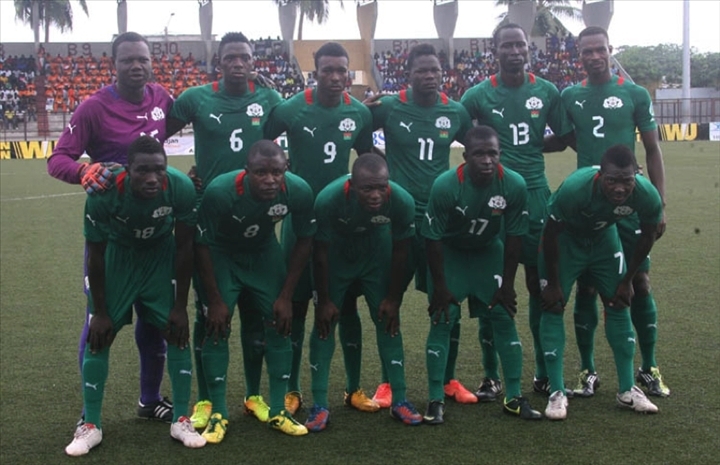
(103, 126)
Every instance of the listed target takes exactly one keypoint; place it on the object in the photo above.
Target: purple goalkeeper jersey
(104, 125)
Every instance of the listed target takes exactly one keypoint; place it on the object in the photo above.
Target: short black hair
(371, 162)
(264, 148)
(419, 50)
(593, 31)
(501, 27)
(330, 49)
(479, 133)
(144, 144)
(620, 156)
(127, 37)
(231, 37)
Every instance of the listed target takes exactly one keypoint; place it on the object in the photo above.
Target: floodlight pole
(167, 39)
(686, 63)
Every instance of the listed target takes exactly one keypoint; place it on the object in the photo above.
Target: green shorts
(144, 276)
(360, 266)
(417, 261)
(537, 211)
(600, 261)
(304, 289)
(629, 231)
(473, 273)
(255, 279)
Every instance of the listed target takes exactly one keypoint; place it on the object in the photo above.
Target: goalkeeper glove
(97, 177)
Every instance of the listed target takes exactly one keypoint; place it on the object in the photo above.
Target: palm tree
(313, 10)
(57, 13)
(548, 15)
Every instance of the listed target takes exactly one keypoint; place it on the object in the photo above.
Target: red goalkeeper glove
(97, 177)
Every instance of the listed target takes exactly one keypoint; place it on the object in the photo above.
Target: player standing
(518, 105)
(323, 125)
(468, 209)
(132, 255)
(238, 254)
(606, 110)
(419, 124)
(580, 237)
(103, 126)
(365, 225)
(228, 116)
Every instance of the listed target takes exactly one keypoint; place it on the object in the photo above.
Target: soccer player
(580, 237)
(237, 255)
(419, 124)
(468, 209)
(606, 110)
(518, 105)
(103, 126)
(323, 125)
(365, 225)
(133, 256)
(228, 116)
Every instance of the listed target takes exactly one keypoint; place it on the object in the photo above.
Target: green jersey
(339, 214)
(225, 126)
(586, 212)
(417, 140)
(466, 216)
(607, 115)
(232, 221)
(320, 138)
(519, 115)
(119, 217)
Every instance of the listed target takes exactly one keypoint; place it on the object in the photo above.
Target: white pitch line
(37, 197)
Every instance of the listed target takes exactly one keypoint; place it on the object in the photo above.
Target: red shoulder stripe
(494, 80)
(531, 78)
(620, 81)
(165, 184)
(389, 192)
(283, 186)
(239, 187)
(500, 171)
(403, 96)
(308, 96)
(251, 86)
(346, 97)
(584, 83)
(461, 173)
(444, 98)
(216, 86)
(120, 182)
(346, 189)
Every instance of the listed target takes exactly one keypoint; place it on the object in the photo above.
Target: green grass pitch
(42, 307)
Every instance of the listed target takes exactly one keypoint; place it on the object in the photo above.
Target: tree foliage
(652, 66)
(549, 15)
(312, 10)
(56, 13)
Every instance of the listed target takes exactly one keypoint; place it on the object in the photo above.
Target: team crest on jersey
(278, 211)
(162, 211)
(498, 204)
(379, 219)
(612, 103)
(623, 210)
(443, 123)
(255, 111)
(534, 104)
(157, 114)
(347, 126)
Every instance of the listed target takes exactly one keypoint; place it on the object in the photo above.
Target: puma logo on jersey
(185, 372)
(311, 131)
(220, 378)
(499, 112)
(553, 353)
(285, 376)
(429, 218)
(142, 116)
(217, 118)
(93, 386)
(580, 104)
(434, 352)
(90, 218)
(239, 220)
(71, 127)
(406, 126)
(631, 340)
(122, 220)
(396, 362)
(461, 210)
